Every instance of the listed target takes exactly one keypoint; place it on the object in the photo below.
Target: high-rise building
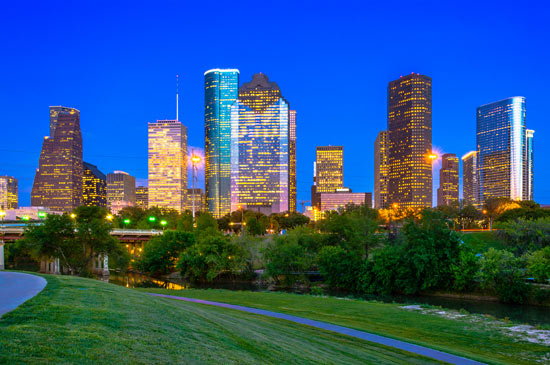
(470, 189)
(200, 201)
(121, 187)
(221, 91)
(167, 164)
(260, 148)
(142, 197)
(94, 186)
(447, 194)
(292, 160)
(410, 141)
(328, 171)
(381, 170)
(505, 150)
(8, 193)
(58, 180)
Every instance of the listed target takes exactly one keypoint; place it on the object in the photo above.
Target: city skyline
(317, 72)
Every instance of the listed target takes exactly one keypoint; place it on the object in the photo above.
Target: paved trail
(16, 288)
(416, 349)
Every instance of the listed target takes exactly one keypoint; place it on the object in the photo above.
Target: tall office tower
(199, 197)
(470, 191)
(505, 150)
(260, 148)
(410, 141)
(167, 164)
(8, 193)
(142, 197)
(447, 194)
(328, 171)
(94, 186)
(381, 170)
(221, 91)
(58, 180)
(292, 160)
(121, 187)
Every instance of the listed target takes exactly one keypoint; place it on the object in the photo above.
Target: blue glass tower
(221, 91)
(505, 151)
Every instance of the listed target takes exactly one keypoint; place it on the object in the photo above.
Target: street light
(195, 159)
(126, 221)
(42, 214)
(109, 217)
(73, 216)
(152, 219)
(163, 223)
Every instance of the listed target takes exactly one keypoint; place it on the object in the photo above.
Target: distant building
(8, 193)
(381, 170)
(29, 213)
(221, 90)
(121, 186)
(410, 141)
(118, 205)
(58, 180)
(470, 188)
(167, 180)
(504, 151)
(336, 200)
(200, 200)
(142, 197)
(260, 148)
(447, 194)
(328, 171)
(94, 186)
(292, 160)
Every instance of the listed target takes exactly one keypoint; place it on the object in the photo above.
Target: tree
(538, 265)
(502, 272)
(339, 268)
(468, 217)
(465, 269)
(523, 235)
(494, 207)
(161, 253)
(76, 241)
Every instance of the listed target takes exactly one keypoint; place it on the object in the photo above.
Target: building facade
(470, 190)
(260, 148)
(142, 197)
(292, 160)
(410, 141)
(447, 193)
(504, 151)
(381, 170)
(121, 187)
(94, 186)
(167, 164)
(9, 199)
(221, 91)
(328, 171)
(58, 180)
(199, 197)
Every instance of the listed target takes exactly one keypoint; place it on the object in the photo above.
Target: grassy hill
(76, 320)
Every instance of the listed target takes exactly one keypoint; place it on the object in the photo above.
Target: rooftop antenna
(177, 98)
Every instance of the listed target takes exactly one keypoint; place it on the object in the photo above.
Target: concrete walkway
(390, 342)
(16, 288)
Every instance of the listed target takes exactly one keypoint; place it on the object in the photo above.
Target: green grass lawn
(475, 340)
(84, 321)
(482, 241)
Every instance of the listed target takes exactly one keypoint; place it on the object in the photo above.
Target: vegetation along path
(420, 350)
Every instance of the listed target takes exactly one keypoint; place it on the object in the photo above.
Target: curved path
(16, 288)
(416, 349)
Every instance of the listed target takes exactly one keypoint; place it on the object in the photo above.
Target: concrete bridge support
(2, 265)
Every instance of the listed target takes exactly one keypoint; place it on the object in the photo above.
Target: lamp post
(195, 159)
(163, 223)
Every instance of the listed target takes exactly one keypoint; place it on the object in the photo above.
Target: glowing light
(152, 219)
(109, 217)
(163, 222)
(73, 216)
(126, 221)
(41, 214)
(25, 217)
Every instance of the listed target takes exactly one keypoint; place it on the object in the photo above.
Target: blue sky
(116, 62)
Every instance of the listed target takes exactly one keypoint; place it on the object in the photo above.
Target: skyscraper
(260, 147)
(381, 170)
(8, 193)
(328, 171)
(221, 91)
(292, 160)
(94, 186)
(58, 180)
(142, 197)
(410, 141)
(470, 190)
(447, 194)
(505, 151)
(167, 164)
(121, 187)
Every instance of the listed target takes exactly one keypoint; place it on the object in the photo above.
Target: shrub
(523, 235)
(339, 268)
(538, 265)
(161, 253)
(465, 270)
(286, 261)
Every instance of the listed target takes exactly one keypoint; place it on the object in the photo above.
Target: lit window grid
(381, 170)
(8, 193)
(120, 187)
(329, 168)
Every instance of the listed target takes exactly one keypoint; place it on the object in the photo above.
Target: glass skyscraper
(410, 141)
(121, 187)
(8, 193)
(94, 186)
(167, 164)
(58, 181)
(470, 191)
(381, 170)
(292, 160)
(504, 151)
(260, 148)
(447, 194)
(221, 91)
